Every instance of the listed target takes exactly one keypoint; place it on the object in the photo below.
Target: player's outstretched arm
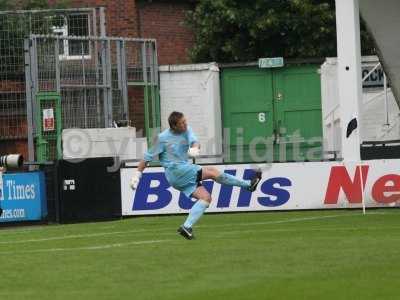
(137, 174)
(149, 156)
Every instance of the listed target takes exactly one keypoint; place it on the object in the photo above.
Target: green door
(297, 104)
(271, 114)
(247, 112)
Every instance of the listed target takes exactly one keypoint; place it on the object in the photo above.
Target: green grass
(278, 255)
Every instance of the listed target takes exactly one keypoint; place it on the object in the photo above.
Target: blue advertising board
(23, 197)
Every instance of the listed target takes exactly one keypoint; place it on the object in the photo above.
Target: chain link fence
(100, 80)
(92, 75)
(15, 27)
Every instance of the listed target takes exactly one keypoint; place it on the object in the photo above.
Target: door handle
(279, 96)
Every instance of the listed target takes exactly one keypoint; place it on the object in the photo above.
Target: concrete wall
(194, 90)
(103, 142)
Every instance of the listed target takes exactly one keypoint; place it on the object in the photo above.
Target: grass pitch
(276, 255)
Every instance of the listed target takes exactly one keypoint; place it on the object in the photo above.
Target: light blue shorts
(183, 177)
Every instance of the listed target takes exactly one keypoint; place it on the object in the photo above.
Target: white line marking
(37, 228)
(322, 229)
(99, 247)
(77, 236)
(287, 220)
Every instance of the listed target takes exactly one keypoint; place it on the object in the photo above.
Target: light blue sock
(229, 179)
(195, 213)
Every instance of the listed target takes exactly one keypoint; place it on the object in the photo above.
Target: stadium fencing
(15, 27)
(60, 57)
(90, 76)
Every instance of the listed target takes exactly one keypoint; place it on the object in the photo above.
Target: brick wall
(121, 15)
(159, 19)
(164, 21)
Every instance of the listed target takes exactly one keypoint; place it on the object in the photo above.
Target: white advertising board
(284, 186)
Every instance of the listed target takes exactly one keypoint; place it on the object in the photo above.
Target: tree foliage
(240, 30)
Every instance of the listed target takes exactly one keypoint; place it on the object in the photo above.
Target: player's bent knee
(216, 173)
(213, 172)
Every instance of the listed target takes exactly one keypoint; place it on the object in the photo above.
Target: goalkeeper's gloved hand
(193, 152)
(135, 180)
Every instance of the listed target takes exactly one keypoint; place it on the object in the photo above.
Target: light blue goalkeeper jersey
(171, 150)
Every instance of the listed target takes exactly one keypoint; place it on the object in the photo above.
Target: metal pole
(105, 82)
(102, 22)
(371, 71)
(35, 82)
(152, 85)
(8, 12)
(58, 87)
(92, 38)
(119, 64)
(157, 83)
(386, 99)
(109, 84)
(84, 84)
(94, 23)
(349, 80)
(349, 74)
(123, 80)
(144, 62)
(96, 63)
(145, 93)
(155, 54)
(57, 62)
(28, 91)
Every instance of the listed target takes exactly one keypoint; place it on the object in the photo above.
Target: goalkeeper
(173, 148)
